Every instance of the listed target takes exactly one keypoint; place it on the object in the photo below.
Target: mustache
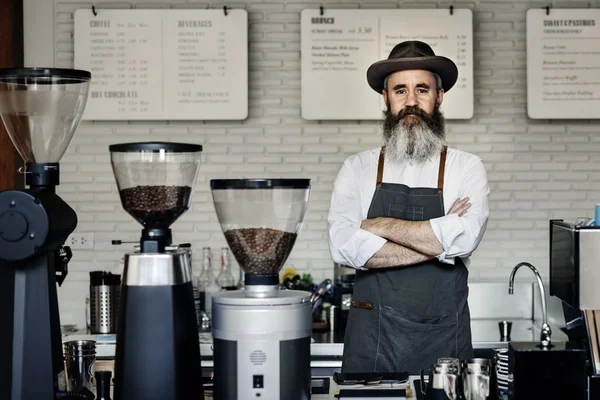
(412, 110)
(434, 121)
(391, 121)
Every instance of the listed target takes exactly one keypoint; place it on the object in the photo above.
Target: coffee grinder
(158, 350)
(261, 335)
(41, 109)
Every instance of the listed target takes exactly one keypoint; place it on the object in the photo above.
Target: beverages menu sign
(339, 46)
(563, 63)
(164, 64)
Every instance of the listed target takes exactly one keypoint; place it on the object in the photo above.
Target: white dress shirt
(354, 187)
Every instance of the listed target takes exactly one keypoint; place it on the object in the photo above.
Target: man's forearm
(395, 255)
(417, 235)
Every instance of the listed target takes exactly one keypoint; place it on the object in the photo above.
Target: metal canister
(105, 289)
(332, 317)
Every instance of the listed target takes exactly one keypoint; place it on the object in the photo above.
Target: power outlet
(80, 241)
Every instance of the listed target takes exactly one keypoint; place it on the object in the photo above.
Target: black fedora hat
(412, 55)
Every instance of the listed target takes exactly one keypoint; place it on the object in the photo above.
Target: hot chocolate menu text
(164, 64)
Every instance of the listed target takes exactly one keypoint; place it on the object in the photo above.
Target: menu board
(563, 63)
(339, 46)
(164, 64)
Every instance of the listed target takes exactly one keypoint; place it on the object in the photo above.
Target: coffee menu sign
(563, 63)
(164, 64)
(338, 46)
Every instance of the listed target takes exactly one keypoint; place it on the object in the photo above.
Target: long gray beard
(415, 140)
(415, 143)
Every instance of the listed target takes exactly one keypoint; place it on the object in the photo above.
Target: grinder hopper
(41, 109)
(260, 219)
(156, 181)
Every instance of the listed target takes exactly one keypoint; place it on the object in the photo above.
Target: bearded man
(408, 216)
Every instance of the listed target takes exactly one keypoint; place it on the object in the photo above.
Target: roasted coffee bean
(260, 250)
(156, 206)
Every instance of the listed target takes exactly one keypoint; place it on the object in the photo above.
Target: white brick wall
(537, 169)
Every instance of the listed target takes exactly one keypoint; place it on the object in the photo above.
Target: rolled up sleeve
(348, 243)
(460, 236)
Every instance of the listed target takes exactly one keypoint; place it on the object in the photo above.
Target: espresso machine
(261, 334)
(158, 350)
(41, 109)
(569, 370)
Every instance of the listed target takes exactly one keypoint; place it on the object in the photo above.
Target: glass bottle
(207, 284)
(241, 284)
(225, 278)
(198, 294)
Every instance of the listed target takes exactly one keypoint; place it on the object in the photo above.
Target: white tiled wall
(537, 169)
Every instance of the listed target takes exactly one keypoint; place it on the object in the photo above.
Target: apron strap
(442, 167)
(441, 170)
(380, 167)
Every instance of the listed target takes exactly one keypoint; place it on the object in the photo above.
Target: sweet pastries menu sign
(563, 63)
(164, 64)
(339, 46)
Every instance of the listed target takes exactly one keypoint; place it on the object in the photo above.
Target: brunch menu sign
(338, 46)
(563, 63)
(164, 64)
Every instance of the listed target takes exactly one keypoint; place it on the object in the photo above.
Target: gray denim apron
(405, 318)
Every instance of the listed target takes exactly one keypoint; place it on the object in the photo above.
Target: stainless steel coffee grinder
(158, 350)
(41, 109)
(261, 335)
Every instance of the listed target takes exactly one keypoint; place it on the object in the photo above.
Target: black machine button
(257, 381)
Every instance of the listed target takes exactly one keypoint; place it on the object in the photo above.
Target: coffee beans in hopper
(156, 206)
(260, 250)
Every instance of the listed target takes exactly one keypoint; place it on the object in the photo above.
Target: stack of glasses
(79, 356)
(501, 357)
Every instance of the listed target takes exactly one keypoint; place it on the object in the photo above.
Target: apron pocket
(414, 213)
(416, 321)
(409, 342)
(397, 211)
(360, 340)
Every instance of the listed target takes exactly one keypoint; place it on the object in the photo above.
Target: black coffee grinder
(158, 349)
(41, 109)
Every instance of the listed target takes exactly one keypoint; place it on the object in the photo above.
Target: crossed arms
(408, 242)
(389, 242)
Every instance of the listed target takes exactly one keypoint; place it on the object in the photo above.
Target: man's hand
(460, 207)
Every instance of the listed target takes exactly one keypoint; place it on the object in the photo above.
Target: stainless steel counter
(485, 335)
(327, 348)
(489, 303)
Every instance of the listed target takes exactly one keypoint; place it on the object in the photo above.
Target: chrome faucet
(546, 335)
